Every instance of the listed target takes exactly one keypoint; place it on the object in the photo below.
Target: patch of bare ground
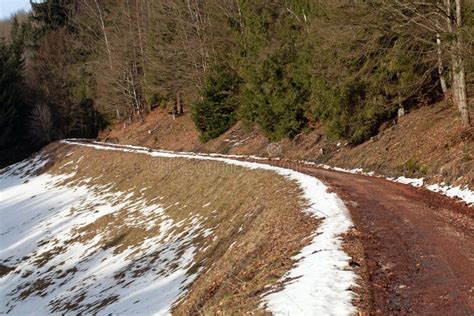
(157, 130)
(255, 218)
(428, 142)
(4, 270)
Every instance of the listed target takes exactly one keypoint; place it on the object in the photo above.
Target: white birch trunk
(102, 25)
(442, 78)
(460, 70)
(107, 46)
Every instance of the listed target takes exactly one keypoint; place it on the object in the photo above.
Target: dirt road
(414, 249)
(417, 246)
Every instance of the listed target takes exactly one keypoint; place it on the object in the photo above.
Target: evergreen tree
(51, 14)
(216, 113)
(11, 82)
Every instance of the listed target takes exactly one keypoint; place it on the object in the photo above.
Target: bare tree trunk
(401, 109)
(462, 94)
(107, 46)
(133, 68)
(179, 104)
(442, 78)
(458, 70)
(241, 24)
(454, 58)
(461, 73)
(142, 51)
(102, 25)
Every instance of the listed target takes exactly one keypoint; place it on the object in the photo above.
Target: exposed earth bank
(428, 142)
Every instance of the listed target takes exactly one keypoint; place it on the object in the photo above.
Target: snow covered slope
(42, 227)
(64, 261)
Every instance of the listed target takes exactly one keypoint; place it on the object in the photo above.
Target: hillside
(90, 229)
(427, 142)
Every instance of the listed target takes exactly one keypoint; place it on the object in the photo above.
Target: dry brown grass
(431, 137)
(158, 130)
(427, 142)
(255, 217)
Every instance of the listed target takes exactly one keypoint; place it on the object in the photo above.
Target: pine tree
(10, 91)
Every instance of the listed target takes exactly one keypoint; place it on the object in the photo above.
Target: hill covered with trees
(72, 67)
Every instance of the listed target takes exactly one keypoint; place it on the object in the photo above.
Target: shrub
(215, 114)
(347, 112)
(276, 92)
(415, 168)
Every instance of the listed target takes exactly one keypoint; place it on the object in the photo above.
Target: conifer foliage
(284, 66)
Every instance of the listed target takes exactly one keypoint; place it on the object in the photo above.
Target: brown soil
(158, 130)
(413, 249)
(427, 142)
(255, 216)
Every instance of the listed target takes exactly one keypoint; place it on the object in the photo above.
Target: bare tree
(41, 123)
(104, 32)
(94, 12)
(459, 71)
(443, 23)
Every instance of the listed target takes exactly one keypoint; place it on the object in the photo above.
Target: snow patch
(57, 272)
(462, 193)
(411, 181)
(457, 192)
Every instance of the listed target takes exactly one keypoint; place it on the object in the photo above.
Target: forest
(69, 68)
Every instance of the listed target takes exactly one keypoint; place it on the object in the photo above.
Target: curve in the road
(418, 246)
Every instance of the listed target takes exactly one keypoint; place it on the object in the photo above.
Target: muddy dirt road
(414, 249)
(417, 246)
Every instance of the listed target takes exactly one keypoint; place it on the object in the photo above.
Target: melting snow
(40, 222)
(462, 193)
(411, 181)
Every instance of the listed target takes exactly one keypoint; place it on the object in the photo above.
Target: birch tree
(93, 25)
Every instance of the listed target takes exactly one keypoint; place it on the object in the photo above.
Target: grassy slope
(255, 217)
(425, 142)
